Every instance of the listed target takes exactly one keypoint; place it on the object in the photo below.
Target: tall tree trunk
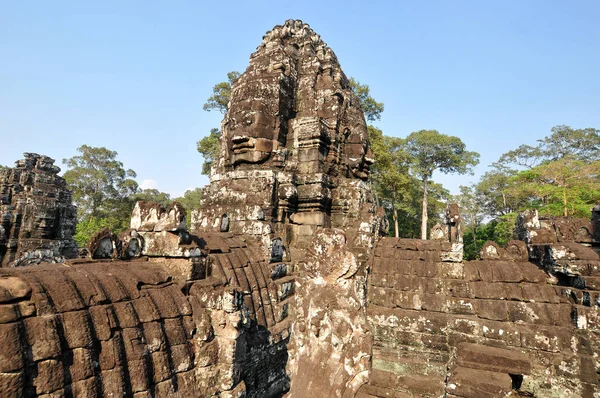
(565, 209)
(424, 212)
(395, 215)
(396, 232)
(475, 240)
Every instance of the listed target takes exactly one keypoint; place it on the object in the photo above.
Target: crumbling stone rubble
(37, 218)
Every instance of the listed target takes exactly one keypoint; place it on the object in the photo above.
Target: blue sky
(132, 75)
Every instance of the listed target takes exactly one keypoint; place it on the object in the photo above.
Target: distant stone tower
(37, 217)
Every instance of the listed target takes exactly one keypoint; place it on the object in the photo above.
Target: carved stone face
(357, 154)
(252, 140)
(252, 131)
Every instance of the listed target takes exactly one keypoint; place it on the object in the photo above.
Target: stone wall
(37, 219)
(483, 328)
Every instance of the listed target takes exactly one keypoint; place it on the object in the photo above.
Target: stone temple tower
(294, 151)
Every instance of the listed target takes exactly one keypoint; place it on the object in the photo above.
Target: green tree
(191, 199)
(209, 148)
(389, 174)
(409, 212)
(221, 94)
(102, 189)
(567, 186)
(472, 215)
(578, 144)
(499, 230)
(431, 151)
(210, 145)
(370, 107)
(152, 195)
(87, 227)
(559, 175)
(495, 188)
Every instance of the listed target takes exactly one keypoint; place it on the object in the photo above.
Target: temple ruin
(286, 284)
(37, 218)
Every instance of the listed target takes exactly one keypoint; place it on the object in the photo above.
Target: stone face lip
(37, 218)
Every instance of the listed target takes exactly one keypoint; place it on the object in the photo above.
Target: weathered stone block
(50, 376)
(11, 354)
(42, 337)
(76, 326)
(11, 384)
(466, 382)
(493, 359)
(82, 366)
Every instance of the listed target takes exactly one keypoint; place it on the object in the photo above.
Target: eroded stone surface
(331, 327)
(37, 218)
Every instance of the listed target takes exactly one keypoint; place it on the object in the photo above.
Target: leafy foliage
(567, 186)
(564, 142)
(210, 145)
(87, 227)
(221, 94)
(559, 176)
(100, 184)
(209, 148)
(103, 191)
(472, 214)
(429, 151)
(370, 107)
(191, 199)
(500, 230)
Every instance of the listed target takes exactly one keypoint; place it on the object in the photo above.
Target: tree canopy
(191, 200)
(559, 176)
(430, 151)
(153, 195)
(102, 189)
(98, 181)
(221, 94)
(209, 146)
